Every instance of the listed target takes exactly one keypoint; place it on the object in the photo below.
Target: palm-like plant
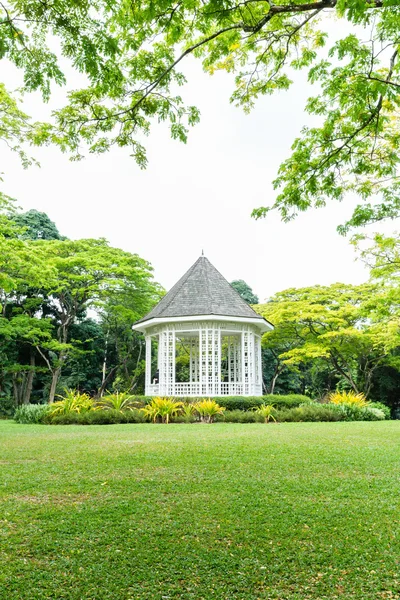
(188, 410)
(348, 399)
(150, 411)
(162, 407)
(120, 401)
(71, 401)
(208, 410)
(266, 411)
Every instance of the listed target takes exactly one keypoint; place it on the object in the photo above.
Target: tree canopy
(245, 291)
(352, 329)
(47, 287)
(37, 226)
(131, 55)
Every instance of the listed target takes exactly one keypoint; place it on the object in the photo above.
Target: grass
(224, 511)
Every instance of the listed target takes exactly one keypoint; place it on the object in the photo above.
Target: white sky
(196, 196)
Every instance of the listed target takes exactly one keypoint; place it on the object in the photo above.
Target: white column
(191, 360)
(163, 362)
(159, 357)
(214, 369)
(218, 359)
(203, 354)
(229, 359)
(148, 365)
(252, 354)
(245, 361)
(170, 362)
(194, 359)
(258, 358)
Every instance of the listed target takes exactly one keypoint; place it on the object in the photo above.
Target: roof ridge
(209, 300)
(181, 281)
(236, 292)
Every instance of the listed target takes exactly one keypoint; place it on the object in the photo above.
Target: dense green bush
(31, 413)
(7, 407)
(185, 418)
(97, 417)
(385, 409)
(355, 413)
(312, 412)
(241, 416)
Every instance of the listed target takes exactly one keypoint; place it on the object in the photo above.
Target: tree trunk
(103, 380)
(103, 386)
(17, 388)
(277, 372)
(344, 373)
(29, 380)
(54, 381)
(273, 382)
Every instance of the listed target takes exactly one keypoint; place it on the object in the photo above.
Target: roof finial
(202, 252)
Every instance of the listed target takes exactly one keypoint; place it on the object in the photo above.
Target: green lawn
(225, 511)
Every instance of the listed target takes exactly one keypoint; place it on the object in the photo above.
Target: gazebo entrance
(224, 359)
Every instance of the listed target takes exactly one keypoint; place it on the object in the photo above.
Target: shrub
(241, 416)
(7, 407)
(370, 413)
(188, 414)
(313, 412)
(266, 411)
(250, 402)
(97, 417)
(72, 401)
(183, 419)
(288, 400)
(162, 407)
(119, 401)
(31, 413)
(357, 413)
(239, 402)
(385, 409)
(348, 399)
(208, 409)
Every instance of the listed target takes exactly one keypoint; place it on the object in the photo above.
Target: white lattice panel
(242, 356)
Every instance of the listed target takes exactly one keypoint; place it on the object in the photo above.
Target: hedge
(243, 402)
(96, 417)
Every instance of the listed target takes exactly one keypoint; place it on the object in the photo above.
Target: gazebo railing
(196, 389)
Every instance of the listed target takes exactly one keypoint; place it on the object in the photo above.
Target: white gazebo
(204, 318)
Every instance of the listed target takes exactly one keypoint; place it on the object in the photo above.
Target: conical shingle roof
(202, 291)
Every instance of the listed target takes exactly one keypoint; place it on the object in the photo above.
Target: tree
(24, 272)
(382, 256)
(46, 288)
(339, 325)
(245, 291)
(124, 358)
(88, 273)
(131, 53)
(36, 226)
(274, 348)
(83, 370)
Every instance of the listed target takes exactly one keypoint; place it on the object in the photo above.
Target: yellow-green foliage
(267, 411)
(118, 401)
(162, 407)
(208, 409)
(188, 410)
(71, 401)
(348, 399)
